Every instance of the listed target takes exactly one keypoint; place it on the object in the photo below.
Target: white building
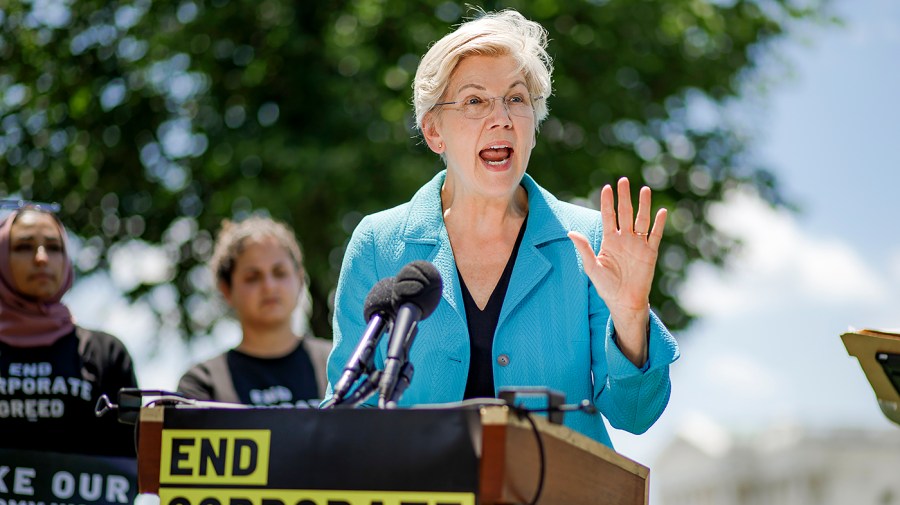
(781, 466)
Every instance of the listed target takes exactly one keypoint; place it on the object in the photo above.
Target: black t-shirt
(287, 380)
(482, 325)
(48, 395)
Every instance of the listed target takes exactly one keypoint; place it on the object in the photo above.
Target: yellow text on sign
(237, 457)
(194, 496)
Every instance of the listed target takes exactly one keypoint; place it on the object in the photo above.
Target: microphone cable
(521, 413)
(542, 462)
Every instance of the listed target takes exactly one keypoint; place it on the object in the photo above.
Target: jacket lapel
(531, 265)
(425, 225)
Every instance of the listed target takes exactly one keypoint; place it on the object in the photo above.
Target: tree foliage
(151, 121)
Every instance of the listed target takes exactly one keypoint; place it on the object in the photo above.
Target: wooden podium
(577, 469)
(487, 455)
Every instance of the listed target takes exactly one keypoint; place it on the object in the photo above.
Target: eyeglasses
(8, 204)
(476, 107)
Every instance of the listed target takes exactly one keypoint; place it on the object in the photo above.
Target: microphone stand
(406, 373)
(362, 393)
(394, 370)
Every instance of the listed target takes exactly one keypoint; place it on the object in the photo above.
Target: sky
(766, 349)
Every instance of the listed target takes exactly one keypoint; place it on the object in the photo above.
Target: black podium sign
(49, 478)
(292, 456)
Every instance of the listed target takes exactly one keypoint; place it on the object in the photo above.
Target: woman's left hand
(622, 272)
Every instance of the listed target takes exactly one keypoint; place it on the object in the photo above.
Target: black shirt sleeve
(107, 361)
(196, 383)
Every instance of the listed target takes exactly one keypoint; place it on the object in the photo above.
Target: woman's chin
(40, 294)
(271, 318)
(268, 322)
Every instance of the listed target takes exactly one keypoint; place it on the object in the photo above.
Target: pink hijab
(25, 322)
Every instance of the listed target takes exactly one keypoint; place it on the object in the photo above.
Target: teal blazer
(554, 330)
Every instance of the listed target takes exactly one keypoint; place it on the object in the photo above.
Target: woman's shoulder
(107, 356)
(576, 215)
(388, 219)
(209, 367)
(209, 380)
(378, 232)
(422, 210)
(316, 343)
(100, 340)
(570, 216)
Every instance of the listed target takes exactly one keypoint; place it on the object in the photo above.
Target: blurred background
(767, 128)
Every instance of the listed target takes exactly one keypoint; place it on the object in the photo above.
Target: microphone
(378, 310)
(417, 292)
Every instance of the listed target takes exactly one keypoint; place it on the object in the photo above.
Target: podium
(286, 456)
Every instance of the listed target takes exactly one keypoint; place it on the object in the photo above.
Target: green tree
(152, 121)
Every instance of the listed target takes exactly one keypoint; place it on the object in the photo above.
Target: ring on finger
(642, 234)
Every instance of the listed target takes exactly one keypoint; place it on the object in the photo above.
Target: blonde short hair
(493, 34)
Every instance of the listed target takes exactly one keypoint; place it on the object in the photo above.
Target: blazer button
(503, 360)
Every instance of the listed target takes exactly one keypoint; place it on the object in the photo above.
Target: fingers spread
(642, 221)
(659, 224)
(581, 243)
(583, 247)
(607, 211)
(626, 211)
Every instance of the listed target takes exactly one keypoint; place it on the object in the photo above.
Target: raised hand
(622, 272)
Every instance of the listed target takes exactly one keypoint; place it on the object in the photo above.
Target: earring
(441, 145)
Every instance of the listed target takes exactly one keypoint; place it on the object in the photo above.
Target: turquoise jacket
(553, 328)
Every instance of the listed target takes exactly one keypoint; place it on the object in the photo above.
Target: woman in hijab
(51, 371)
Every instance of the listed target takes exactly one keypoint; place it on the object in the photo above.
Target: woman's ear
(432, 134)
(225, 289)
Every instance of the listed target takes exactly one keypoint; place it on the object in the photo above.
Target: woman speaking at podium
(536, 292)
(51, 371)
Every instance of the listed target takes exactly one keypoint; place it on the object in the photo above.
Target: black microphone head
(380, 299)
(418, 283)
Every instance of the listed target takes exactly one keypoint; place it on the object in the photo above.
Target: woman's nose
(40, 254)
(500, 115)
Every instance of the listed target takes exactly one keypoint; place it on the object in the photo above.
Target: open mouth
(496, 155)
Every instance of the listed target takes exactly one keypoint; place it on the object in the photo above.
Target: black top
(287, 380)
(482, 325)
(48, 395)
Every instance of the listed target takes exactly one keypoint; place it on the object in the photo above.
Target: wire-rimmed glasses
(477, 107)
